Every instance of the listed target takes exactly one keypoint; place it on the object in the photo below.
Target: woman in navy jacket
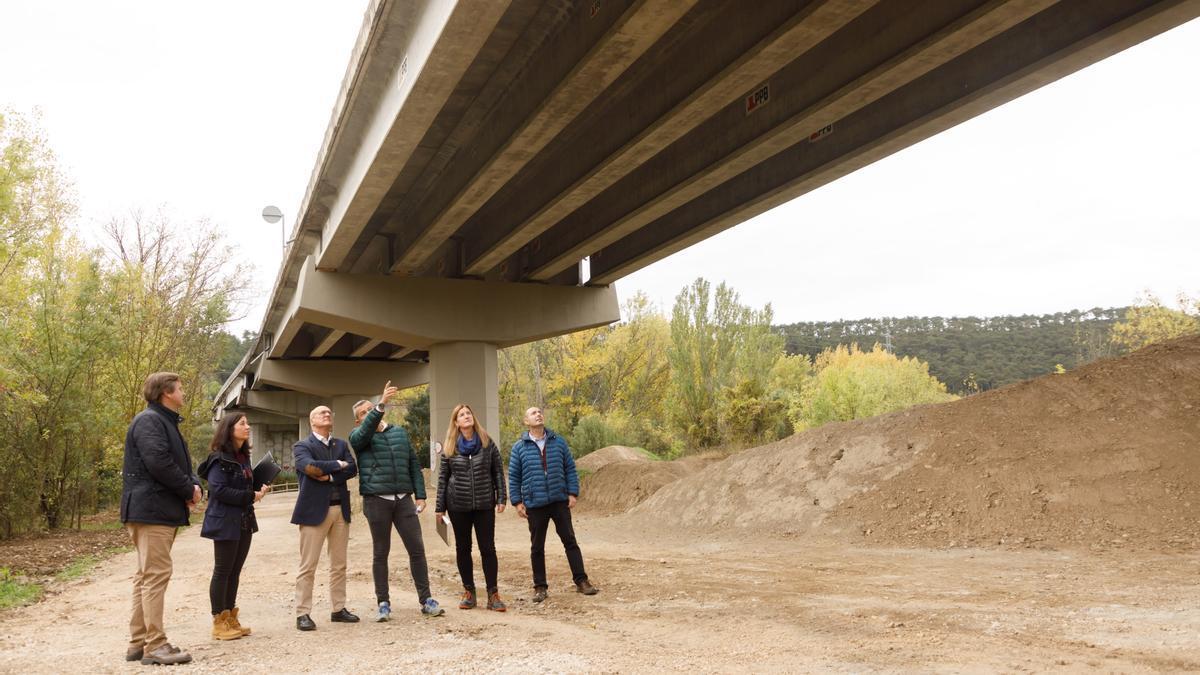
(229, 519)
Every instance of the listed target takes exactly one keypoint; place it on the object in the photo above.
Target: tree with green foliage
(851, 384)
(416, 422)
(972, 352)
(720, 364)
(80, 329)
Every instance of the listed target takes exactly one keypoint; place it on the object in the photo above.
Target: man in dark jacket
(158, 491)
(323, 465)
(544, 486)
(393, 491)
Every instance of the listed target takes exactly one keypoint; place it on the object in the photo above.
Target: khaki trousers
(336, 531)
(153, 544)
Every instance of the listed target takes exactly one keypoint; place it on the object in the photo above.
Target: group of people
(160, 489)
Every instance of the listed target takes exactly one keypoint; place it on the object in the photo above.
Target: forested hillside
(972, 353)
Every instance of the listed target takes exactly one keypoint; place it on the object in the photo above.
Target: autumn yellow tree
(851, 384)
(1150, 321)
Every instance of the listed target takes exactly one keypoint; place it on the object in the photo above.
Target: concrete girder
(743, 44)
(401, 102)
(568, 78)
(327, 379)
(1053, 44)
(365, 348)
(883, 49)
(327, 343)
(257, 417)
(288, 404)
(420, 312)
(401, 353)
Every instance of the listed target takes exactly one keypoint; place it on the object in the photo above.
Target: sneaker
(385, 611)
(468, 600)
(495, 603)
(539, 594)
(431, 608)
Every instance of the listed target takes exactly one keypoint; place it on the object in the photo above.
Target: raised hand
(388, 392)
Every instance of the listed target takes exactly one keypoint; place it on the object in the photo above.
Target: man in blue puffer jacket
(544, 486)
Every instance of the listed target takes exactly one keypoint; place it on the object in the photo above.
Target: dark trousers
(484, 522)
(228, 558)
(539, 523)
(382, 515)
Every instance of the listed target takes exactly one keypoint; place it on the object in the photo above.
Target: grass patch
(77, 568)
(80, 566)
(15, 591)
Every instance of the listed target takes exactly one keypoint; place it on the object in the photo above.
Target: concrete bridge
(480, 150)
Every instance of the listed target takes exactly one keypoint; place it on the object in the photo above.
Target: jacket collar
(166, 412)
(212, 459)
(549, 434)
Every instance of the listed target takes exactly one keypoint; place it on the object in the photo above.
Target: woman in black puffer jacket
(470, 485)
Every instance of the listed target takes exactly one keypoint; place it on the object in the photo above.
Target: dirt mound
(1106, 455)
(618, 486)
(594, 461)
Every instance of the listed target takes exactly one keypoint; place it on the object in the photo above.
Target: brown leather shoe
(165, 655)
(133, 654)
(586, 588)
(539, 593)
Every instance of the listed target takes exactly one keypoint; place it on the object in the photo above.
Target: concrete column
(343, 411)
(464, 372)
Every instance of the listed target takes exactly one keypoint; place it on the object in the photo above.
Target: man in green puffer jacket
(393, 490)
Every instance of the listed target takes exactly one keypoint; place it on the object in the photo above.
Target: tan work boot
(235, 624)
(221, 629)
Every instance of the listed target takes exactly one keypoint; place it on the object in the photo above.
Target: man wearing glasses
(323, 465)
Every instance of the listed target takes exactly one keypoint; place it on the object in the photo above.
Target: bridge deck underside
(626, 130)
(507, 141)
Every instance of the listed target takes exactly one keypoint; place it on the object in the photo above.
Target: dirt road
(669, 601)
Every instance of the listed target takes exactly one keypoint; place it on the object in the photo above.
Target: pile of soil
(1107, 455)
(594, 461)
(621, 485)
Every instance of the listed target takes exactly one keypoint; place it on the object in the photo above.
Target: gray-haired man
(393, 491)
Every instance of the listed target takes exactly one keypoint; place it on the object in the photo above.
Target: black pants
(539, 524)
(228, 558)
(382, 515)
(484, 523)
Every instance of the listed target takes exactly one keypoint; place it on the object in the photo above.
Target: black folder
(265, 470)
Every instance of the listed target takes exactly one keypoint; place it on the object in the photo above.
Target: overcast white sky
(1078, 195)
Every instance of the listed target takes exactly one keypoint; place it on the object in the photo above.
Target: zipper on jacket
(471, 473)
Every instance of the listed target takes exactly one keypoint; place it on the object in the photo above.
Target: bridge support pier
(463, 372)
